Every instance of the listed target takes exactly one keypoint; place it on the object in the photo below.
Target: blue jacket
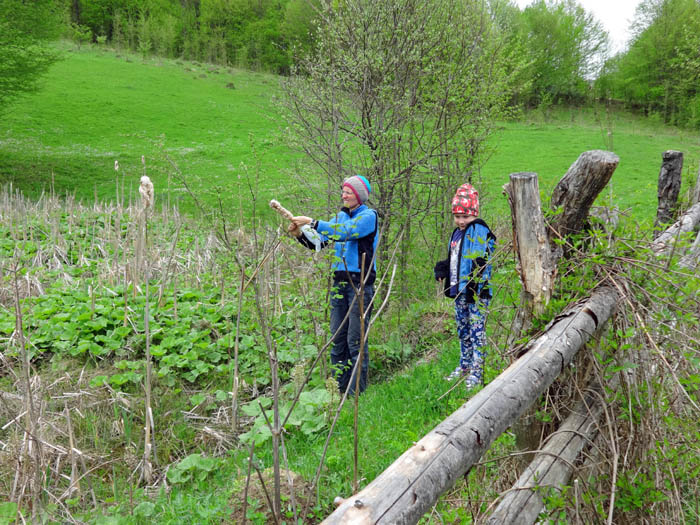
(473, 266)
(354, 233)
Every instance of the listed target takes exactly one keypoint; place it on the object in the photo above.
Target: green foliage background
(155, 79)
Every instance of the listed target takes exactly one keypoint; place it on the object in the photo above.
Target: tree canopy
(564, 46)
(660, 71)
(25, 29)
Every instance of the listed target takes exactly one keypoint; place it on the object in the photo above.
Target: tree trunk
(687, 223)
(553, 465)
(669, 186)
(578, 189)
(536, 262)
(696, 190)
(414, 482)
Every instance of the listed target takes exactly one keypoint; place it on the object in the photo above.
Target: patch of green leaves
(194, 467)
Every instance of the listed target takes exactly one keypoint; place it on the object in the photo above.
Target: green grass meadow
(217, 131)
(97, 107)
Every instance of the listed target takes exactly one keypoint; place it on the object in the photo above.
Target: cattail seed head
(147, 192)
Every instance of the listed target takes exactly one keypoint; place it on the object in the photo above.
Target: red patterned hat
(466, 201)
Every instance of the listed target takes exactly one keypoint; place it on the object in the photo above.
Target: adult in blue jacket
(353, 230)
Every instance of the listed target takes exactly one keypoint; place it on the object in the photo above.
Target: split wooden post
(553, 466)
(414, 482)
(575, 193)
(536, 262)
(669, 186)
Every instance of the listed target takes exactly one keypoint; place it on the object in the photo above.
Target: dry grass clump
(44, 452)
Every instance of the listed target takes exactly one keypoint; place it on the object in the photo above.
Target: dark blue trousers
(346, 341)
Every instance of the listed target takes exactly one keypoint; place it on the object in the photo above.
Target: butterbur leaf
(8, 511)
(98, 381)
(145, 509)
(196, 399)
(253, 408)
(258, 435)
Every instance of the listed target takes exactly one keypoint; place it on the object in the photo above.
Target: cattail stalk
(147, 197)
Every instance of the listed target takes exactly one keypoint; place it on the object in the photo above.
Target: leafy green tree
(253, 33)
(565, 46)
(25, 54)
(660, 71)
(299, 25)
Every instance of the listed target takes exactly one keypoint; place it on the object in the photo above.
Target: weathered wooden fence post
(575, 193)
(537, 254)
(536, 263)
(696, 190)
(669, 186)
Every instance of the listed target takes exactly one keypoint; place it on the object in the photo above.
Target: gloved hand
(442, 270)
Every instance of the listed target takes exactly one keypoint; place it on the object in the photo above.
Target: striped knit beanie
(466, 201)
(359, 186)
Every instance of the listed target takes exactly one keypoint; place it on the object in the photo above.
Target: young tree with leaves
(406, 92)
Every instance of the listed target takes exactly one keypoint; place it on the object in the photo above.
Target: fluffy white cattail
(275, 205)
(146, 191)
(116, 165)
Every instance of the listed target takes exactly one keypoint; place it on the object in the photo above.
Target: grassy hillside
(217, 125)
(548, 144)
(222, 132)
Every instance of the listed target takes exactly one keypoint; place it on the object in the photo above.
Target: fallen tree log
(688, 221)
(691, 259)
(553, 465)
(415, 481)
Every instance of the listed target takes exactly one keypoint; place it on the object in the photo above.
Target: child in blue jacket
(466, 273)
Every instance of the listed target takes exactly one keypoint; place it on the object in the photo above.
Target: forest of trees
(562, 50)
(559, 51)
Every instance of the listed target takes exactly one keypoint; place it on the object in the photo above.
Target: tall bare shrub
(405, 92)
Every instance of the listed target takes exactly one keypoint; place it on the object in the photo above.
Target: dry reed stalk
(146, 191)
(29, 469)
(74, 485)
(236, 378)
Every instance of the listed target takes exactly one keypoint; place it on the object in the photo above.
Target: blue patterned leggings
(471, 318)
